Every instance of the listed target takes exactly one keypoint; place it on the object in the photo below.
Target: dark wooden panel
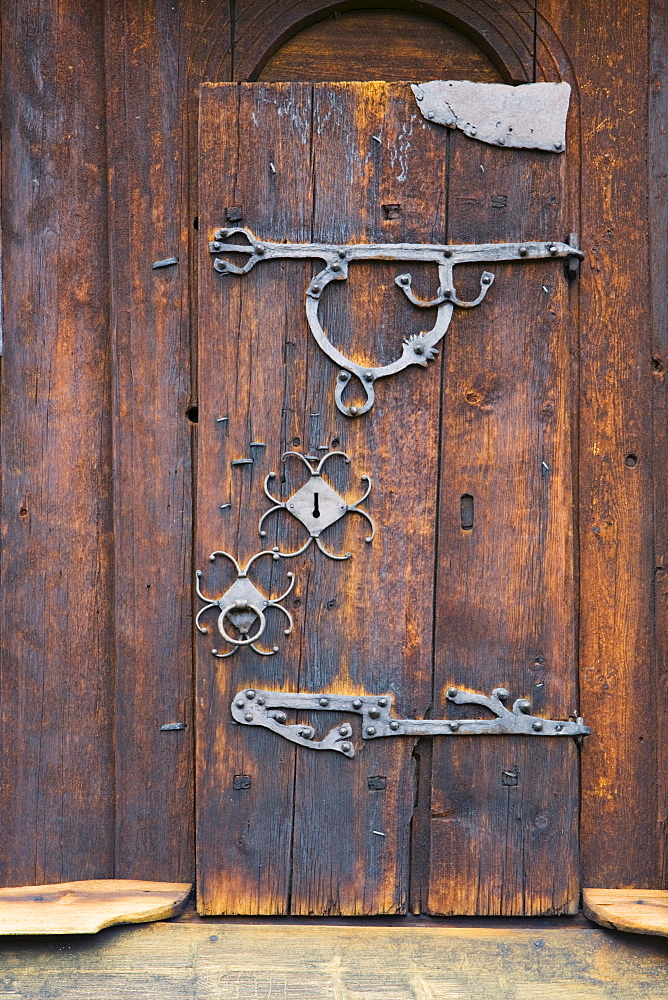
(503, 29)
(504, 592)
(380, 45)
(658, 195)
(354, 634)
(55, 588)
(368, 622)
(251, 370)
(620, 837)
(151, 220)
(207, 959)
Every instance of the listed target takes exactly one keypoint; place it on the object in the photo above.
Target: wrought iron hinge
(267, 708)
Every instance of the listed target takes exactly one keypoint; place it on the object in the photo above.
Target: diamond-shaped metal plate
(317, 505)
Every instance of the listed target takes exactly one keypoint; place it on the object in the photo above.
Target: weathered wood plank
(620, 836)
(55, 587)
(658, 215)
(85, 907)
(216, 959)
(150, 219)
(251, 366)
(503, 835)
(379, 176)
(642, 911)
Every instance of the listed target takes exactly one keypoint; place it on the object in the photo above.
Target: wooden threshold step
(641, 911)
(86, 907)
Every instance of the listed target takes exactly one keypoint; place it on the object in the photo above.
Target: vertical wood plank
(55, 588)
(379, 176)
(658, 214)
(504, 811)
(620, 838)
(150, 220)
(255, 155)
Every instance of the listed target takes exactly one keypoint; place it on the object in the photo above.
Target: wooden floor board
(203, 959)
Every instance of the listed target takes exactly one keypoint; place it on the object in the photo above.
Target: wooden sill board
(239, 960)
(641, 911)
(86, 907)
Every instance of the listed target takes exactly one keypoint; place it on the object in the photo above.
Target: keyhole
(316, 509)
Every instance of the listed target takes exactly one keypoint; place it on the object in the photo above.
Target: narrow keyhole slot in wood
(466, 511)
(316, 508)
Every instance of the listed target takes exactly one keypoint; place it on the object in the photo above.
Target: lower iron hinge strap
(267, 708)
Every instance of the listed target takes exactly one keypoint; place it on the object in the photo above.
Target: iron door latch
(267, 708)
(417, 349)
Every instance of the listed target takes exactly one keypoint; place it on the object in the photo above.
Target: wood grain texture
(85, 907)
(641, 911)
(500, 29)
(352, 634)
(620, 835)
(150, 220)
(55, 587)
(217, 960)
(380, 45)
(504, 811)
(658, 216)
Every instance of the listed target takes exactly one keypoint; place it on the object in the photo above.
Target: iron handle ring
(250, 639)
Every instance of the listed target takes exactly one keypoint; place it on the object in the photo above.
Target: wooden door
(468, 582)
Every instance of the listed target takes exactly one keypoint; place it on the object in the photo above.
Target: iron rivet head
(382, 702)
(537, 726)
(419, 96)
(394, 725)
(280, 717)
(371, 730)
(346, 747)
(259, 248)
(502, 694)
(343, 730)
(342, 254)
(368, 376)
(315, 289)
(248, 716)
(430, 114)
(419, 349)
(473, 130)
(343, 376)
(222, 265)
(335, 266)
(306, 734)
(261, 701)
(524, 705)
(559, 727)
(558, 145)
(553, 250)
(454, 726)
(291, 506)
(215, 245)
(501, 141)
(250, 693)
(447, 252)
(447, 293)
(522, 251)
(374, 713)
(452, 692)
(342, 506)
(353, 411)
(486, 279)
(323, 702)
(403, 280)
(240, 703)
(357, 703)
